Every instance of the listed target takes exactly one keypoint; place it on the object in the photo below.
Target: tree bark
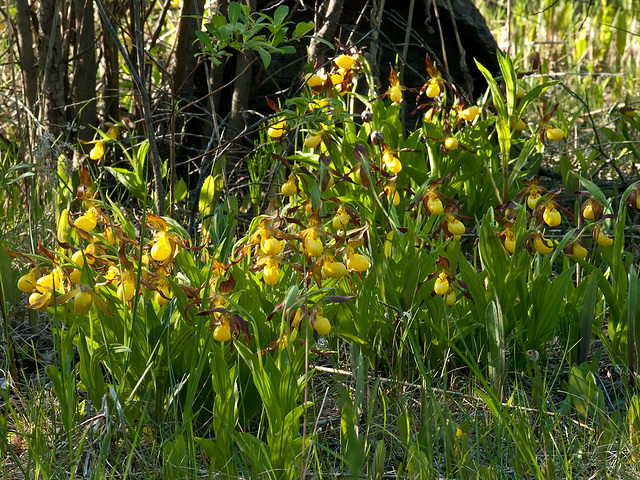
(54, 65)
(216, 74)
(28, 66)
(185, 59)
(327, 22)
(241, 90)
(84, 70)
(111, 72)
(241, 86)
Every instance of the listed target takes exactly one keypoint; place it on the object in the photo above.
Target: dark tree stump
(427, 33)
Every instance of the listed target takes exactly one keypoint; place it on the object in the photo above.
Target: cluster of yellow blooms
(546, 212)
(63, 281)
(89, 275)
(273, 247)
(545, 206)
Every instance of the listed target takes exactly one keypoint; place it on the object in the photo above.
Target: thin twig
(463, 62)
(444, 50)
(172, 134)
(405, 51)
(161, 24)
(357, 24)
(376, 24)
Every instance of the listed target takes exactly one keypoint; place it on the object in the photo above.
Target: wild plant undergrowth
(410, 300)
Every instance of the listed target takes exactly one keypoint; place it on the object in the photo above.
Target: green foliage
(585, 396)
(135, 180)
(421, 251)
(244, 30)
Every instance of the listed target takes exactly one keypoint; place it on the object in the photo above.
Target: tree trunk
(53, 63)
(326, 24)
(241, 86)
(111, 69)
(84, 71)
(185, 59)
(217, 73)
(24, 29)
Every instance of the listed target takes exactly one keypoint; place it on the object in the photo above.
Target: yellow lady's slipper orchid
(112, 273)
(75, 276)
(322, 325)
(271, 272)
(456, 227)
(555, 134)
(428, 115)
(392, 193)
(441, 286)
(312, 141)
(162, 248)
(222, 332)
(395, 90)
(126, 290)
(289, 188)
(312, 244)
(450, 298)
(434, 204)
(91, 252)
(34, 297)
(433, 88)
(277, 129)
(333, 269)
(78, 258)
(451, 143)
(392, 163)
(345, 62)
(97, 152)
(551, 216)
(27, 282)
(541, 244)
(579, 251)
(82, 302)
(337, 77)
(114, 132)
(88, 221)
(603, 239)
(358, 262)
(320, 104)
(509, 241)
(40, 301)
(48, 282)
(395, 94)
(470, 114)
(358, 173)
(587, 211)
(271, 246)
(341, 220)
(533, 198)
(315, 80)
(296, 318)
